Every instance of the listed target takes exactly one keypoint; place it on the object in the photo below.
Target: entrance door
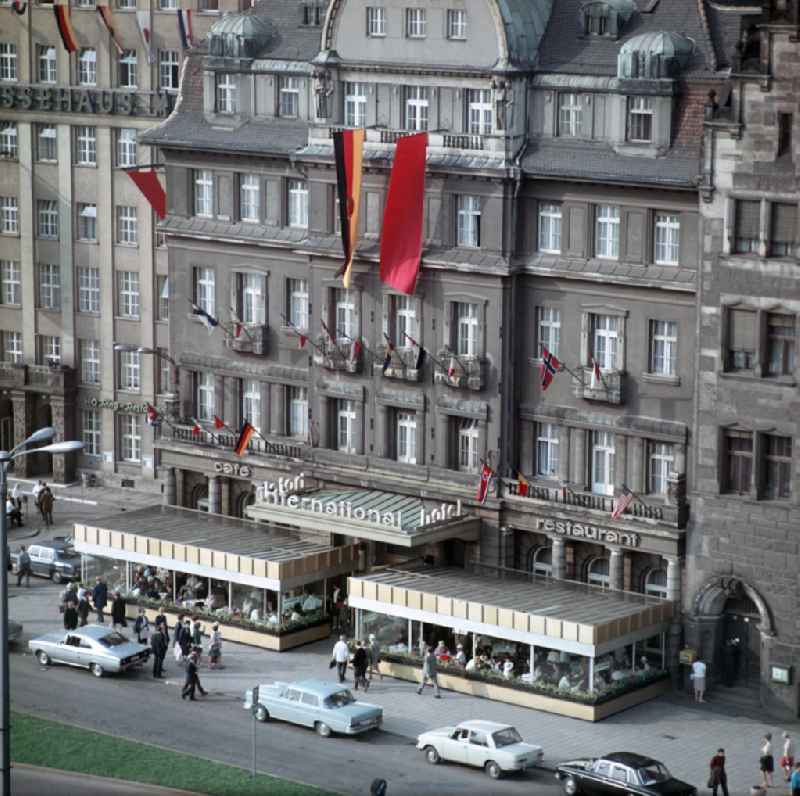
(741, 650)
(6, 425)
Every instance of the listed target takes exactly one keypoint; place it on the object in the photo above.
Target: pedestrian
(339, 657)
(794, 782)
(360, 664)
(46, 500)
(197, 634)
(142, 627)
(766, 761)
(159, 644)
(698, 676)
(178, 632)
(429, 666)
(161, 619)
(37, 492)
(23, 567)
(13, 513)
(717, 777)
(192, 680)
(374, 651)
(71, 611)
(186, 638)
(118, 620)
(215, 647)
(100, 598)
(787, 759)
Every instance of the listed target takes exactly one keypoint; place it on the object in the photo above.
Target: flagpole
(333, 342)
(422, 348)
(393, 350)
(299, 334)
(562, 366)
(237, 322)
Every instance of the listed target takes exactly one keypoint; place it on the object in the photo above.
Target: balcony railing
(48, 378)
(402, 366)
(272, 446)
(468, 373)
(337, 355)
(607, 390)
(465, 141)
(253, 339)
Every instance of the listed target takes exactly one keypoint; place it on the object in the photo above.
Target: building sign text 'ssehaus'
(583, 530)
(23, 97)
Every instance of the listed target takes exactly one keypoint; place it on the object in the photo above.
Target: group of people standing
(77, 602)
(365, 659)
(718, 778)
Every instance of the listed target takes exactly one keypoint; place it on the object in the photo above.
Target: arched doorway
(244, 500)
(198, 498)
(598, 572)
(655, 583)
(540, 561)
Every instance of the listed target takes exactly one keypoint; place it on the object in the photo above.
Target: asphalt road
(137, 707)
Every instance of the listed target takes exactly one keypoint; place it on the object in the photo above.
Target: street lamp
(6, 457)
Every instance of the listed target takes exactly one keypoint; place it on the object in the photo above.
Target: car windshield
(653, 772)
(340, 699)
(506, 737)
(113, 640)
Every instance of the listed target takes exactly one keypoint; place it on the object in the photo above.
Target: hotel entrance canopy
(367, 514)
(562, 615)
(213, 546)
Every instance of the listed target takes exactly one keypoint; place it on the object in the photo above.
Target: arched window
(597, 573)
(655, 583)
(245, 499)
(543, 561)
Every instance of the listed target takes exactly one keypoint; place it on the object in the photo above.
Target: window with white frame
(297, 403)
(289, 97)
(570, 115)
(406, 437)
(11, 285)
(127, 225)
(416, 108)
(604, 341)
(345, 319)
(607, 232)
(126, 5)
(206, 394)
(251, 298)
(126, 146)
(88, 290)
(640, 119)
(49, 350)
(9, 215)
(667, 239)
(602, 462)
(251, 403)
(467, 327)
(130, 371)
(663, 347)
(46, 144)
(12, 347)
(87, 67)
(548, 330)
(660, 463)
(297, 302)
(89, 353)
(404, 309)
(8, 140)
(782, 229)
(479, 111)
(91, 432)
(655, 583)
(46, 56)
(468, 226)
(346, 426)
(167, 5)
(598, 573)
(550, 228)
(781, 344)
(456, 24)
(468, 439)
(165, 383)
(169, 66)
(203, 193)
(204, 289)
(547, 450)
(416, 23)
(298, 204)
(250, 198)
(8, 61)
(130, 438)
(542, 563)
(47, 215)
(376, 21)
(49, 286)
(227, 93)
(86, 139)
(128, 77)
(162, 295)
(85, 4)
(355, 104)
(87, 221)
(128, 298)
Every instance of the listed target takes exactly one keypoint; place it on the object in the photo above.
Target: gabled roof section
(525, 22)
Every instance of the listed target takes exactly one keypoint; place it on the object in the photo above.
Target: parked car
(621, 773)
(57, 560)
(14, 632)
(97, 648)
(327, 707)
(496, 748)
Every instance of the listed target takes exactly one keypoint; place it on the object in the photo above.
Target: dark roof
(290, 39)
(629, 759)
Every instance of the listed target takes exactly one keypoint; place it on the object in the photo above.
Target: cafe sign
(233, 468)
(22, 97)
(116, 406)
(584, 530)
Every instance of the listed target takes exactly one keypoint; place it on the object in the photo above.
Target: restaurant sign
(583, 530)
(23, 97)
(128, 408)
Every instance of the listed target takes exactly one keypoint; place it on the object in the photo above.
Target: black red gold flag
(245, 436)
(348, 149)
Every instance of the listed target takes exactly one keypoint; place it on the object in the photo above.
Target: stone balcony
(337, 356)
(254, 339)
(469, 373)
(402, 367)
(285, 447)
(609, 390)
(56, 379)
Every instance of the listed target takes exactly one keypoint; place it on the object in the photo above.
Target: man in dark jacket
(360, 663)
(160, 620)
(159, 644)
(192, 680)
(100, 598)
(118, 619)
(23, 567)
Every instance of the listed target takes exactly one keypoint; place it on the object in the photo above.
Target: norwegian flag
(549, 367)
(153, 416)
(597, 376)
(622, 502)
(483, 485)
(451, 368)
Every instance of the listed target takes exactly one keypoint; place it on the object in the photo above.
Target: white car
(496, 748)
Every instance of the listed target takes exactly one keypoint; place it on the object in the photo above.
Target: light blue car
(327, 707)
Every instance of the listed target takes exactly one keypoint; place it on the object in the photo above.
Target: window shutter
(482, 307)
(742, 330)
(748, 214)
(784, 222)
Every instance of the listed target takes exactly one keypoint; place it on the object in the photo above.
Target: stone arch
(198, 493)
(244, 499)
(711, 598)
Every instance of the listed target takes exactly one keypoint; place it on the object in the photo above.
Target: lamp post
(173, 402)
(6, 457)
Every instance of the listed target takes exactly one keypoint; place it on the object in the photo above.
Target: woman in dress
(767, 761)
(215, 647)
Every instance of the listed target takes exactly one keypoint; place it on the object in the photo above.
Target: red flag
(548, 369)
(483, 485)
(302, 339)
(451, 368)
(348, 148)
(196, 428)
(218, 423)
(355, 349)
(244, 438)
(147, 182)
(153, 416)
(401, 241)
(597, 378)
(622, 502)
(65, 29)
(237, 329)
(105, 14)
(522, 484)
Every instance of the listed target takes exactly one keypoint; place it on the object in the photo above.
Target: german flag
(348, 149)
(522, 484)
(245, 436)
(64, 24)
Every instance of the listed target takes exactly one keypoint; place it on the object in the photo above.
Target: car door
(598, 782)
(69, 649)
(311, 710)
(86, 652)
(477, 750)
(34, 553)
(622, 780)
(46, 559)
(290, 705)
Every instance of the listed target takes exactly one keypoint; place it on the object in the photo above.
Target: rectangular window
(456, 24)
(89, 352)
(416, 23)
(203, 193)
(345, 320)
(289, 97)
(663, 348)
(739, 462)
(467, 322)
(162, 293)
(227, 93)
(783, 230)
(126, 146)
(468, 439)
(169, 66)
(603, 452)
(297, 402)
(479, 111)
(46, 144)
(547, 450)
(781, 344)
(777, 468)
(88, 290)
(298, 204)
(130, 371)
(741, 340)
(128, 301)
(8, 61)
(251, 298)
(607, 232)
(468, 227)
(49, 286)
(549, 330)
(667, 239)
(570, 115)
(91, 432)
(640, 119)
(346, 426)
(167, 5)
(407, 437)
(11, 286)
(405, 320)
(355, 104)
(46, 56)
(550, 228)
(208, 6)
(12, 347)
(128, 77)
(249, 198)
(376, 21)
(747, 226)
(297, 301)
(416, 108)
(164, 372)
(251, 403)
(785, 123)
(85, 3)
(204, 289)
(87, 67)
(604, 340)
(130, 438)
(86, 140)
(49, 350)
(660, 463)
(127, 226)
(9, 215)
(87, 221)
(8, 140)
(126, 5)
(47, 215)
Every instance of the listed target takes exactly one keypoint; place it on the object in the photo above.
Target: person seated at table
(254, 615)
(441, 650)
(272, 619)
(312, 603)
(472, 665)
(508, 668)
(13, 513)
(460, 656)
(296, 614)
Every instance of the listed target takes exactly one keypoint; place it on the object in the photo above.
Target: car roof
(91, 631)
(486, 726)
(629, 759)
(321, 688)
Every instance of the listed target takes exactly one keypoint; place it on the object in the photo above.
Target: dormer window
(640, 120)
(605, 17)
(312, 14)
(227, 93)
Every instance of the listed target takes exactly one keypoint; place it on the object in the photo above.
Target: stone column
(63, 416)
(324, 422)
(564, 453)
(442, 444)
(674, 635)
(170, 496)
(674, 580)
(278, 410)
(214, 494)
(381, 435)
(506, 547)
(636, 469)
(22, 429)
(225, 506)
(179, 487)
(578, 447)
(559, 557)
(620, 461)
(616, 568)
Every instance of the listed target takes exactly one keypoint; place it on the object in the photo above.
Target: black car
(620, 774)
(57, 560)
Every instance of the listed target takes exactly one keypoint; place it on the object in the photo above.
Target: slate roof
(290, 38)
(525, 22)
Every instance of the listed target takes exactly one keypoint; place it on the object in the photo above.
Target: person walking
(794, 782)
(118, 619)
(698, 676)
(197, 634)
(159, 644)
(717, 777)
(192, 680)
(36, 492)
(161, 619)
(787, 758)
(374, 652)
(429, 669)
(766, 761)
(341, 653)
(46, 500)
(360, 664)
(215, 647)
(142, 627)
(23, 567)
(71, 611)
(100, 598)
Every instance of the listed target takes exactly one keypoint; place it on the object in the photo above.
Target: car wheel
(323, 730)
(262, 714)
(431, 755)
(96, 669)
(493, 770)
(570, 786)
(43, 658)
(57, 576)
